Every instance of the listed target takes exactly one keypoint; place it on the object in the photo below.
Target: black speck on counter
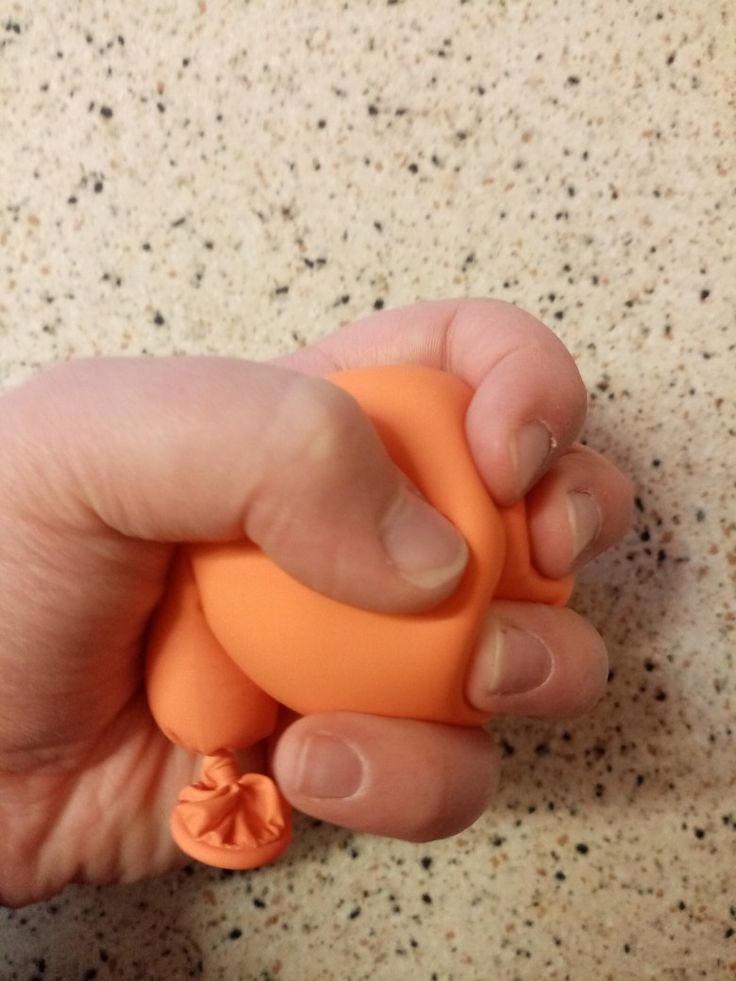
(159, 319)
(581, 848)
(235, 934)
(426, 862)
(106, 112)
(354, 913)
(426, 898)
(98, 187)
(573, 80)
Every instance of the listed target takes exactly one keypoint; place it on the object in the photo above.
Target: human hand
(108, 464)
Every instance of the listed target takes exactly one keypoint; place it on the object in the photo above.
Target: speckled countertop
(240, 177)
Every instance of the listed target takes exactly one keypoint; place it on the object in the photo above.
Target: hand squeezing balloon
(236, 637)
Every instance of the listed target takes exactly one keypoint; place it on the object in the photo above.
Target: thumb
(210, 449)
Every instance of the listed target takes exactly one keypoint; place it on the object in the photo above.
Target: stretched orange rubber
(235, 637)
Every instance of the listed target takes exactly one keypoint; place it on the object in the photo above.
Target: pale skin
(108, 464)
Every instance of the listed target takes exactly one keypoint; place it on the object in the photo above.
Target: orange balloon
(236, 636)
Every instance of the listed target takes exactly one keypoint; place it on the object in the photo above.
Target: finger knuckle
(313, 421)
(305, 439)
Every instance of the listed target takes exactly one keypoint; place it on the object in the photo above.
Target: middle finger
(537, 660)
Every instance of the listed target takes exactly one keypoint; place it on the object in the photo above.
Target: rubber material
(236, 636)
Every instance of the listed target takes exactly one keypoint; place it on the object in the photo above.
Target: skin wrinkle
(447, 336)
(30, 829)
(463, 324)
(131, 837)
(40, 597)
(450, 339)
(441, 354)
(151, 768)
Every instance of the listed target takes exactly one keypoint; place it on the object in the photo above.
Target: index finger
(530, 401)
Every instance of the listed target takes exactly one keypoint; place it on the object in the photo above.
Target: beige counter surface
(241, 177)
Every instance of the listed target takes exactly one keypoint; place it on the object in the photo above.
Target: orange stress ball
(236, 637)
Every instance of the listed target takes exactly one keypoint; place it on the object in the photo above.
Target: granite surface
(241, 177)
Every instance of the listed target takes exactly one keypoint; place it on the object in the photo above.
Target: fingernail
(531, 447)
(425, 547)
(585, 521)
(326, 767)
(511, 662)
